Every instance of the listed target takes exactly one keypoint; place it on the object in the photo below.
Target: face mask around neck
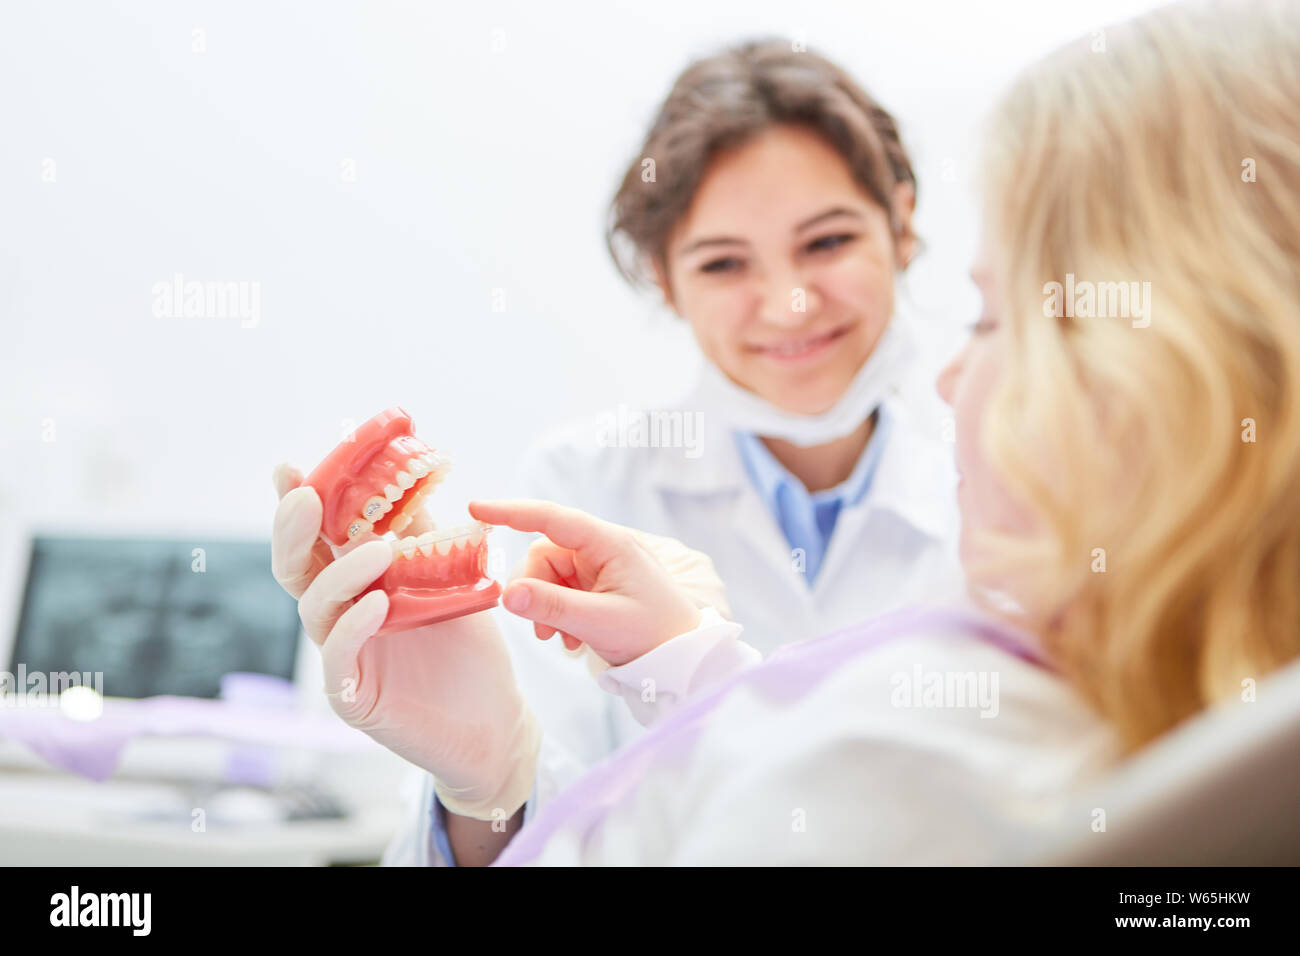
(742, 410)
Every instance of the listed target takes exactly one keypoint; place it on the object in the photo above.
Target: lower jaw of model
(436, 576)
(377, 483)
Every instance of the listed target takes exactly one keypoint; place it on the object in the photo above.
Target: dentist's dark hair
(722, 101)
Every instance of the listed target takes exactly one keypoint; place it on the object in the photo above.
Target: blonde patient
(1130, 522)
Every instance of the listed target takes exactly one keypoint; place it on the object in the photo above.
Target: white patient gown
(925, 737)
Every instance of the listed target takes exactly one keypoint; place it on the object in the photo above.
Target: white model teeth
(466, 535)
(470, 533)
(432, 465)
(425, 543)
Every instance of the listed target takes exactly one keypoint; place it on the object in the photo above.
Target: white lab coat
(893, 548)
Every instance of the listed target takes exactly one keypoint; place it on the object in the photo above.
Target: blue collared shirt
(807, 520)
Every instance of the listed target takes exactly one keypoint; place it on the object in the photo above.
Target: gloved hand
(620, 591)
(689, 569)
(442, 696)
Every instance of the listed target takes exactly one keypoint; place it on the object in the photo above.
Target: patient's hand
(603, 584)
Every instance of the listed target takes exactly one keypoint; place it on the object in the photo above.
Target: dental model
(376, 482)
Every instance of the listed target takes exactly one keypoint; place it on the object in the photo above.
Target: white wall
(486, 138)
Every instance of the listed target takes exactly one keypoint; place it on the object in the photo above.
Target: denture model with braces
(375, 482)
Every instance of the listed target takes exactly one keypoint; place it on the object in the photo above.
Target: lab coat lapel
(914, 481)
(717, 485)
(846, 544)
(757, 529)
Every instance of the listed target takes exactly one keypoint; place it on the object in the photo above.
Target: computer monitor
(154, 616)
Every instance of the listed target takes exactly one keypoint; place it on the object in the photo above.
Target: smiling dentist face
(778, 219)
(966, 384)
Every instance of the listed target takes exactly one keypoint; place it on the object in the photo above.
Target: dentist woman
(777, 223)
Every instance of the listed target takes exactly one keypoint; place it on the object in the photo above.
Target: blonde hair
(1165, 150)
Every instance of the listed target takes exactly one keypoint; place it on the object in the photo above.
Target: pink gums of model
(375, 482)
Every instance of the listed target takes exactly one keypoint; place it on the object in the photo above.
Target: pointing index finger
(567, 527)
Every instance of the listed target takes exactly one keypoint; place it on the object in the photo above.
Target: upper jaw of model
(376, 481)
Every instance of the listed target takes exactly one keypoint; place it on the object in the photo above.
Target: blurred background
(413, 196)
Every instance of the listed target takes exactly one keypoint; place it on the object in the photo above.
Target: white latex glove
(442, 696)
